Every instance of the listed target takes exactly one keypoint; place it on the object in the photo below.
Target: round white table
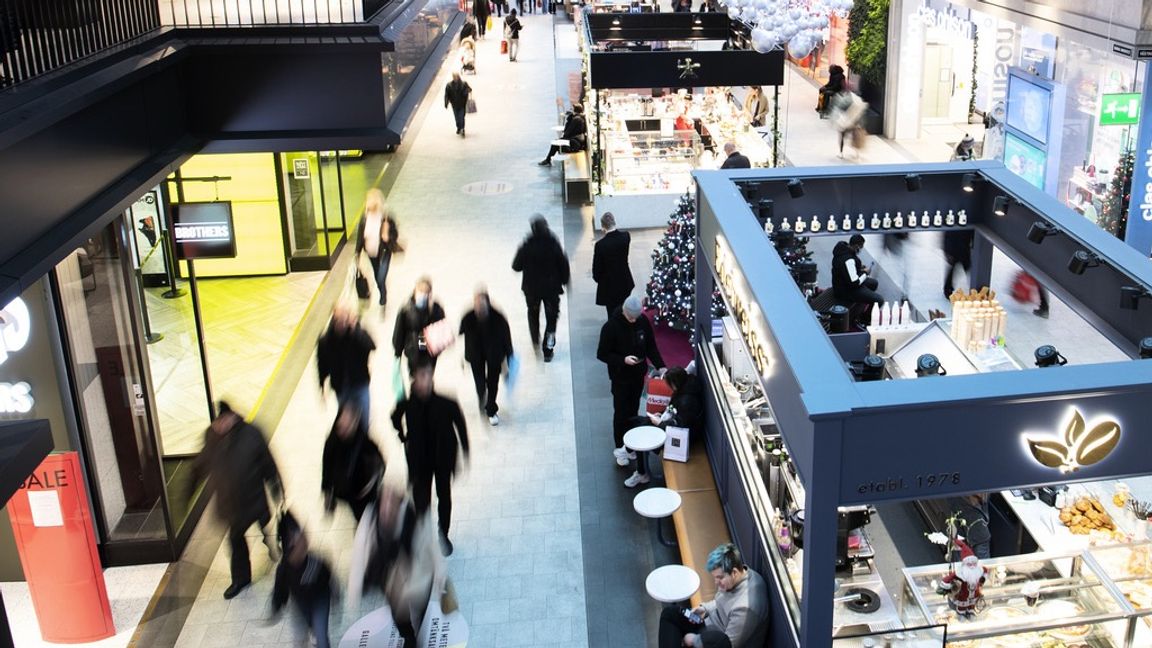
(672, 583)
(558, 129)
(657, 503)
(644, 439)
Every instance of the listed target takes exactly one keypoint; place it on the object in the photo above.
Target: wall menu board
(203, 230)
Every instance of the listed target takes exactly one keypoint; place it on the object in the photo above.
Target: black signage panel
(203, 230)
(686, 69)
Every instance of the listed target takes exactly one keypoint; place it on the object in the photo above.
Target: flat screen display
(1029, 108)
(1025, 160)
(203, 230)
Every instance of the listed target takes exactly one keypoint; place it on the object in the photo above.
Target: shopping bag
(438, 336)
(503, 47)
(513, 372)
(859, 137)
(361, 285)
(398, 390)
(471, 105)
(1024, 288)
(659, 394)
(676, 443)
(488, 24)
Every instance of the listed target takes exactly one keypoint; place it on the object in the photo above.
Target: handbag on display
(471, 105)
(676, 443)
(361, 285)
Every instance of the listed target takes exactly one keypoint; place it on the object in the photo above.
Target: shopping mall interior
(914, 313)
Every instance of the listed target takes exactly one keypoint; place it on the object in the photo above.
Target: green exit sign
(1119, 109)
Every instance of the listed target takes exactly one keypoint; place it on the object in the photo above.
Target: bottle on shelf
(874, 320)
(950, 219)
(831, 224)
(886, 316)
(800, 225)
(887, 222)
(784, 226)
(769, 227)
(875, 221)
(815, 226)
(905, 313)
(937, 220)
(912, 219)
(860, 223)
(962, 217)
(847, 224)
(898, 222)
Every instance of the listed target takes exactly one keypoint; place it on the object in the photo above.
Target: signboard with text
(1138, 230)
(1120, 109)
(203, 230)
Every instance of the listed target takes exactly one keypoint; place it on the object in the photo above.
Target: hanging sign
(745, 311)
(1120, 109)
(203, 230)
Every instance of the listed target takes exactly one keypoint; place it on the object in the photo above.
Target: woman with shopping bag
(681, 409)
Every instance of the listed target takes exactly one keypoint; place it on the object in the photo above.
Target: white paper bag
(676, 445)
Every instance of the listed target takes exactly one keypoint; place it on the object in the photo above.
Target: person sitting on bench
(850, 281)
(575, 131)
(684, 409)
(736, 618)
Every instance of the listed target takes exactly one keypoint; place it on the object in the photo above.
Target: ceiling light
(795, 188)
(912, 181)
(970, 179)
(1000, 205)
(1040, 230)
(1081, 261)
(764, 209)
(1048, 356)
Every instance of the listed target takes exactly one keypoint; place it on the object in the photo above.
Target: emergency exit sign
(1120, 109)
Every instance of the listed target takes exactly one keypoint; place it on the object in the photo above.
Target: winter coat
(240, 464)
(610, 268)
(687, 404)
(480, 9)
(512, 26)
(432, 431)
(958, 245)
(486, 339)
(351, 468)
(836, 79)
(736, 160)
(308, 583)
(544, 265)
(393, 244)
(843, 287)
(620, 338)
(408, 332)
(456, 93)
(576, 132)
(342, 357)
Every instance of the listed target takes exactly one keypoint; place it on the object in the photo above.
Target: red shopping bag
(659, 395)
(503, 47)
(1024, 288)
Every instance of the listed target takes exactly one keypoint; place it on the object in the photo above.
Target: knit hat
(633, 307)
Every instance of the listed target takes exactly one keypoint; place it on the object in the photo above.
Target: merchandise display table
(672, 583)
(657, 503)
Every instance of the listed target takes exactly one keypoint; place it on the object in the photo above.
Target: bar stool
(655, 504)
(644, 439)
(672, 583)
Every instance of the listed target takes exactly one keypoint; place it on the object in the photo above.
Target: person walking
(487, 344)
(342, 355)
(755, 105)
(499, 8)
(378, 237)
(434, 434)
(237, 456)
(848, 110)
(352, 465)
(512, 27)
(414, 317)
(627, 345)
(610, 268)
(481, 10)
(957, 252)
(456, 94)
(575, 132)
(305, 578)
(545, 270)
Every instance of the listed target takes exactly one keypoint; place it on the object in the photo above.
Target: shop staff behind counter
(850, 281)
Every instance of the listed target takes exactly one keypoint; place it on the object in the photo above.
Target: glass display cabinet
(649, 160)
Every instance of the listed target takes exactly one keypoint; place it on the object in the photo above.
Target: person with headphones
(736, 618)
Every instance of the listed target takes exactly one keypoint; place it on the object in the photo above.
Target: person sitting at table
(850, 281)
(575, 131)
(683, 410)
(736, 618)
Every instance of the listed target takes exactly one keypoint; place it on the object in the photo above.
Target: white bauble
(800, 46)
(734, 12)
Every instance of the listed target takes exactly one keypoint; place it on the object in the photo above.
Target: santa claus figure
(963, 584)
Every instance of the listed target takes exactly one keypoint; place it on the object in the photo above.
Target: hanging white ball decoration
(734, 12)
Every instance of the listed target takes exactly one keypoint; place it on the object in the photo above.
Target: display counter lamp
(1146, 348)
(912, 182)
(1040, 230)
(1000, 205)
(1048, 356)
(1082, 260)
(1130, 296)
(929, 365)
(795, 188)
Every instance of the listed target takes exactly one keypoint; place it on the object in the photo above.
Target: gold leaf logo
(1078, 446)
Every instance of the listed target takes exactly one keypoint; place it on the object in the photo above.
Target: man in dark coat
(342, 358)
(735, 159)
(481, 10)
(575, 131)
(957, 252)
(850, 281)
(487, 344)
(627, 345)
(546, 272)
(352, 464)
(610, 268)
(436, 433)
(456, 95)
(413, 318)
(237, 456)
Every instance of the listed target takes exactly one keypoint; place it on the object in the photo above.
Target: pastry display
(1085, 515)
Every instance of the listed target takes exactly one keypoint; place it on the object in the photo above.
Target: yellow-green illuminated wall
(255, 211)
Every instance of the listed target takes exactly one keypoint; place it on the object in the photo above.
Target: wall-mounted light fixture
(1082, 260)
(1048, 356)
(969, 182)
(1130, 296)
(795, 188)
(1001, 204)
(912, 182)
(1040, 230)
(764, 209)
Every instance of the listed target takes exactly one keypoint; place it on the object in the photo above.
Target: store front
(127, 347)
(924, 408)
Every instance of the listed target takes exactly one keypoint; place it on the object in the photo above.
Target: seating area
(577, 177)
(699, 521)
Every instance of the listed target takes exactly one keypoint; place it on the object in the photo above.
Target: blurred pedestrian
(305, 578)
(627, 345)
(352, 465)
(394, 551)
(610, 268)
(456, 94)
(237, 456)
(412, 320)
(481, 10)
(512, 27)
(434, 433)
(487, 345)
(847, 112)
(836, 84)
(957, 252)
(378, 237)
(545, 270)
(342, 355)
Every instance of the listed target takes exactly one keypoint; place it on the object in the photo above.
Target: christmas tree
(671, 289)
(1115, 215)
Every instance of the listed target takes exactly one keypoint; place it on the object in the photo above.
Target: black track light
(1000, 205)
(912, 182)
(969, 182)
(1081, 261)
(1040, 230)
(795, 188)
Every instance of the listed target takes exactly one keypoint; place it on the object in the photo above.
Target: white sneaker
(636, 479)
(494, 420)
(621, 455)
